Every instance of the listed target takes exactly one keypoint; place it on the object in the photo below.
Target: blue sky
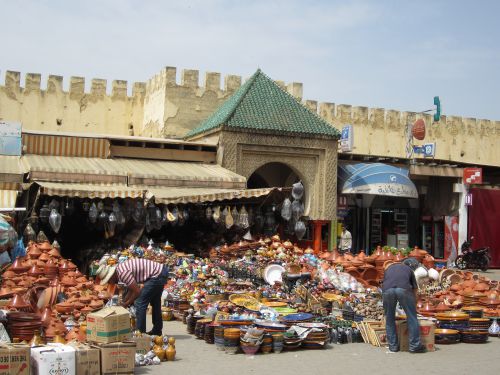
(392, 54)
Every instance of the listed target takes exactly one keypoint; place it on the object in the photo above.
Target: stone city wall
(162, 107)
(75, 110)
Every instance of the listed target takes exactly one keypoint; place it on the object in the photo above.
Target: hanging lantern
(286, 209)
(229, 221)
(236, 216)
(29, 234)
(418, 129)
(297, 190)
(243, 218)
(297, 209)
(55, 220)
(102, 219)
(269, 222)
(86, 205)
(216, 214)
(208, 213)
(111, 225)
(44, 213)
(300, 229)
(93, 213)
(138, 213)
(69, 208)
(41, 237)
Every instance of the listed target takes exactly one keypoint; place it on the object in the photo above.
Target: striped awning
(185, 174)
(59, 145)
(11, 169)
(7, 199)
(89, 190)
(73, 169)
(131, 172)
(165, 195)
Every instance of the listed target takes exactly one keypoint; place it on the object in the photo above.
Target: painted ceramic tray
(298, 317)
(270, 324)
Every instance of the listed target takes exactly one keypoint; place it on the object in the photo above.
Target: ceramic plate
(270, 324)
(312, 325)
(272, 273)
(297, 317)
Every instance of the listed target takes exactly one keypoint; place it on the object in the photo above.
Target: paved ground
(196, 357)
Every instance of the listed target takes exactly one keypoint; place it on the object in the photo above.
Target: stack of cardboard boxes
(108, 350)
(109, 332)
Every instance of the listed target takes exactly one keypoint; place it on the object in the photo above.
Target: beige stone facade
(314, 161)
(163, 107)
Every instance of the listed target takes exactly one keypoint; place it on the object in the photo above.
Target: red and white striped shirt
(137, 270)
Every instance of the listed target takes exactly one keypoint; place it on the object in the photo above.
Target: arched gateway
(269, 137)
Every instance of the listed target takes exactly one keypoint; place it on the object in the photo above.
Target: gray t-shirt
(399, 276)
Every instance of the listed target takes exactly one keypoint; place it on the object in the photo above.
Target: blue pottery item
(297, 317)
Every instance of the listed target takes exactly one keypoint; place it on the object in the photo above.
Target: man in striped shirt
(153, 276)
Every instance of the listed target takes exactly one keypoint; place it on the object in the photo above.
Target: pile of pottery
(251, 340)
(317, 338)
(22, 325)
(43, 281)
(231, 340)
(370, 269)
(464, 289)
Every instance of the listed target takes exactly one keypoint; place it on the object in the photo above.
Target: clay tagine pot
(45, 246)
(33, 251)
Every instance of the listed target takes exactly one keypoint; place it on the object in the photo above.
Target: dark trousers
(406, 299)
(151, 295)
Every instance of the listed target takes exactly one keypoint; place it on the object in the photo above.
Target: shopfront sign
(10, 138)
(347, 139)
(473, 176)
(427, 150)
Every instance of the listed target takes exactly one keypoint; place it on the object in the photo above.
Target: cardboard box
(143, 343)
(117, 358)
(53, 359)
(427, 328)
(111, 324)
(87, 359)
(14, 359)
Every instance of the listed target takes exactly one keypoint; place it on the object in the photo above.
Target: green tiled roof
(261, 105)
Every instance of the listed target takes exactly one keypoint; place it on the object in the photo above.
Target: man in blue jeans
(153, 276)
(401, 286)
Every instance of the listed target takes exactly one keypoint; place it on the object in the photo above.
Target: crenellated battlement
(98, 88)
(172, 103)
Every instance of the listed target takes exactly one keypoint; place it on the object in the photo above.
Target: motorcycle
(475, 259)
